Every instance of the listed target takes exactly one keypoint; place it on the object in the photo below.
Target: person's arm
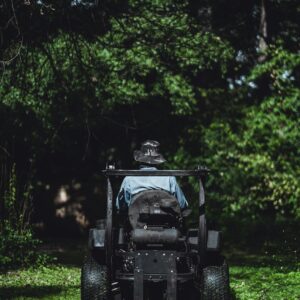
(121, 198)
(124, 195)
(178, 193)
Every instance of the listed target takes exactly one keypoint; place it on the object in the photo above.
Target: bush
(18, 247)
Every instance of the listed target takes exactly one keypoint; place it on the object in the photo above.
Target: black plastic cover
(96, 238)
(165, 236)
(213, 240)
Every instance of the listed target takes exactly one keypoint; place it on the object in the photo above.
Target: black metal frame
(199, 172)
(110, 171)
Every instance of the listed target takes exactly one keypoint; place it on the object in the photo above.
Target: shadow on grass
(68, 252)
(33, 292)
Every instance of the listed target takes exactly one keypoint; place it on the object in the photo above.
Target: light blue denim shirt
(132, 185)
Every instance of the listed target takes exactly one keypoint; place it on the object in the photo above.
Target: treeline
(216, 82)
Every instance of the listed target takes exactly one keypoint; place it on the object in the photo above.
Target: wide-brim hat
(149, 153)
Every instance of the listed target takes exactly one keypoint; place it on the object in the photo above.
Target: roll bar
(199, 172)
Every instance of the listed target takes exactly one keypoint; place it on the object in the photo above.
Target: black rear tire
(214, 283)
(93, 279)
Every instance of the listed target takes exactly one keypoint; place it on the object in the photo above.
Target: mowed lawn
(52, 282)
(252, 277)
(265, 277)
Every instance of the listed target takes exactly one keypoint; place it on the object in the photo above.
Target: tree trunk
(263, 33)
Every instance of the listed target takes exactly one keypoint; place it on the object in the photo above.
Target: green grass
(53, 282)
(264, 283)
(264, 277)
(252, 277)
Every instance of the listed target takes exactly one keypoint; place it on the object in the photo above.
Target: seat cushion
(152, 206)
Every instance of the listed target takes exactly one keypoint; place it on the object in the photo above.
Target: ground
(258, 279)
(254, 276)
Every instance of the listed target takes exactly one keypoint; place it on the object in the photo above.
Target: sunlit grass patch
(53, 282)
(265, 275)
(264, 283)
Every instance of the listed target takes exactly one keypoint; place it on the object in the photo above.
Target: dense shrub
(18, 246)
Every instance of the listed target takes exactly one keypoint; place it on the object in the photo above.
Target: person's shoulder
(172, 178)
(125, 180)
(129, 179)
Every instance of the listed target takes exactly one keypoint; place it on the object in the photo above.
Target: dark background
(215, 82)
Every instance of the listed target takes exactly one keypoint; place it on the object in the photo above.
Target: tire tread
(215, 282)
(93, 279)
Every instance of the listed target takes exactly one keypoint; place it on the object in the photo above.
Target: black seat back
(154, 208)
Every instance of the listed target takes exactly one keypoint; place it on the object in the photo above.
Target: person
(149, 157)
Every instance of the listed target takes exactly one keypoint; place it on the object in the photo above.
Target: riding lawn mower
(147, 252)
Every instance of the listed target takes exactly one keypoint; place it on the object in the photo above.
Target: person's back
(133, 185)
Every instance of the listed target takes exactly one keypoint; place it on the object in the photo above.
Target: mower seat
(154, 208)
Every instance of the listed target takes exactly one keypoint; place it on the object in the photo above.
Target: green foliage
(142, 57)
(255, 159)
(158, 61)
(18, 247)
